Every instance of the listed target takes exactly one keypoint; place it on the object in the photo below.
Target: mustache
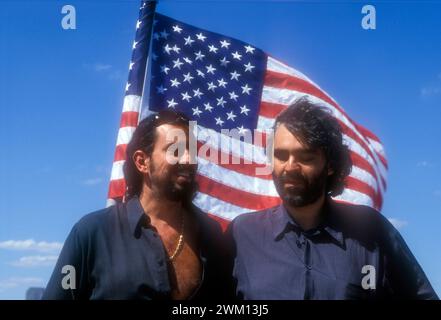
(185, 169)
(291, 177)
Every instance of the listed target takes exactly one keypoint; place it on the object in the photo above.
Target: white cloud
(106, 69)
(423, 163)
(15, 282)
(426, 164)
(31, 244)
(397, 223)
(433, 89)
(35, 261)
(92, 181)
(430, 91)
(101, 67)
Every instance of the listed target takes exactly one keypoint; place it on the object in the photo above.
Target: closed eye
(281, 155)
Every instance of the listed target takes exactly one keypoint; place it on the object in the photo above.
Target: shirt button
(299, 245)
(308, 267)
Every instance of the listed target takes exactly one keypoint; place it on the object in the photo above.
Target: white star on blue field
(62, 92)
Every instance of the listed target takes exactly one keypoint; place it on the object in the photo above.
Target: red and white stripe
(129, 121)
(227, 190)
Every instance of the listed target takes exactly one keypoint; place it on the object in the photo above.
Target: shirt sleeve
(68, 280)
(403, 274)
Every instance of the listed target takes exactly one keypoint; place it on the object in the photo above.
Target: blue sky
(62, 91)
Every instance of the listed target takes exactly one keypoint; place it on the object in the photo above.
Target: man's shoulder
(355, 213)
(96, 220)
(253, 221)
(361, 221)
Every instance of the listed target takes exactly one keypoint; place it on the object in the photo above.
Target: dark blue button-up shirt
(117, 255)
(354, 254)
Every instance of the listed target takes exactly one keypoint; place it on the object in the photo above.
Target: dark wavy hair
(315, 127)
(144, 138)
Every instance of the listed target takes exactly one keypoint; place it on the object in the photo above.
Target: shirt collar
(135, 214)
(137, 217)
(283, 223)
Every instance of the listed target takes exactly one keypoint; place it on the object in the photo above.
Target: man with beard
(311, 247)
(154, 245)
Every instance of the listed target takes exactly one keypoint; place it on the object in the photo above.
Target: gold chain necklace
(180, 242)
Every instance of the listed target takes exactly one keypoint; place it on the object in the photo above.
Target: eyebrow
(303, 151)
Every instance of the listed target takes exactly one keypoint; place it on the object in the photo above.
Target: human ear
(141, 161)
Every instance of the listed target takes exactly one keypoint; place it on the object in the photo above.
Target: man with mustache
(156, 244)
(312, 247)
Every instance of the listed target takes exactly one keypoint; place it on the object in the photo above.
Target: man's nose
(292, 165)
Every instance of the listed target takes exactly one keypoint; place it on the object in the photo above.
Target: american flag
(225, 83)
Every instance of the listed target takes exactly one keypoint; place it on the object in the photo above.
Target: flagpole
(132, 100)
(144, 108)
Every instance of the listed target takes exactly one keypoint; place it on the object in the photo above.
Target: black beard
(308, 193)
(181, 194)
(167, 188)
